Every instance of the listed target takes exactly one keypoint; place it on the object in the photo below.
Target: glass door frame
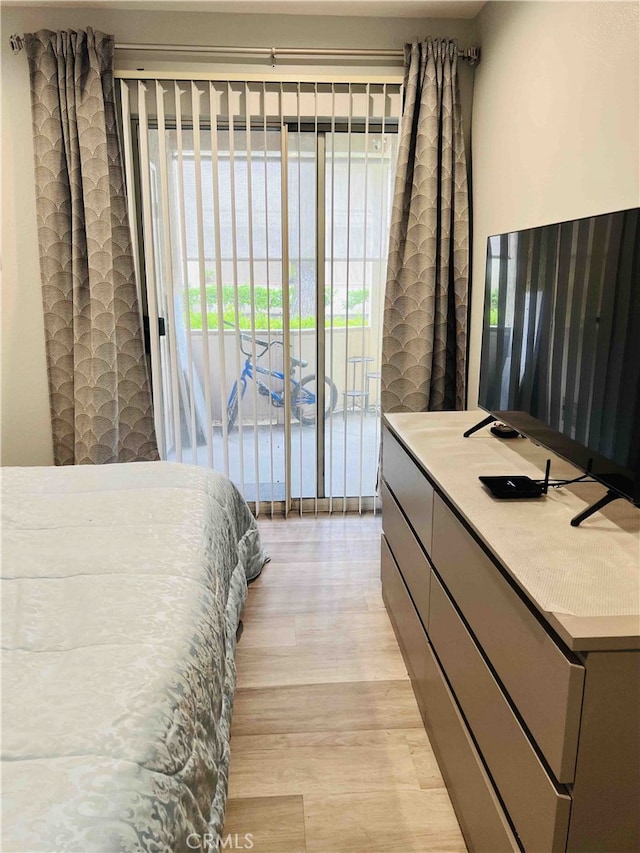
(320, 502)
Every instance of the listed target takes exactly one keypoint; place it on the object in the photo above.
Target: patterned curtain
(101, 407)
(425, 316)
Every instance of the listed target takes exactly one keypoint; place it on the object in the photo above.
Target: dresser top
(584, 580)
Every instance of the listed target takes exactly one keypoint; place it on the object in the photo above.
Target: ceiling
(362, 8)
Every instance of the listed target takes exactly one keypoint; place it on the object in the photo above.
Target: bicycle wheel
(304, 399)
(232, 409)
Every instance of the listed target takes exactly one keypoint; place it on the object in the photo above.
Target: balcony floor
(351, 445)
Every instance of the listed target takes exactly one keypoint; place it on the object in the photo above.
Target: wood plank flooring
(328, 750)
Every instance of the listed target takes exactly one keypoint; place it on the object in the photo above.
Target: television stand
(483, 423)
(523, 650)
(596, 507)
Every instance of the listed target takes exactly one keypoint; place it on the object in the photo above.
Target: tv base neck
(483, 423)
(596, 507)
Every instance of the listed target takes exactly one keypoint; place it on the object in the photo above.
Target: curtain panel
(425, 316)
(101, 407)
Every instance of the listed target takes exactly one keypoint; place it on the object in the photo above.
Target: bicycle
(303, 392)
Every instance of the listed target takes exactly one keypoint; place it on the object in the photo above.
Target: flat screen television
(560, 356)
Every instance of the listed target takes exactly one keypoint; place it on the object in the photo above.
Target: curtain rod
(470, 54)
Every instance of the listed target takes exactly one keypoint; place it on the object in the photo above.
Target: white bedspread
(122, 589)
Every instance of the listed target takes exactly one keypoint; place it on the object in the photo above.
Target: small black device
(504, 431)
(513, 488)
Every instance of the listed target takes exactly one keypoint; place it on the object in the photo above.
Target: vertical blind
(263, 212)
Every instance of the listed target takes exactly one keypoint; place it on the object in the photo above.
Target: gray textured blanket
(122, 590)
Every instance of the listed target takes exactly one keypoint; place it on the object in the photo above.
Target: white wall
(556, 123)
(26, 426)
(26, 431)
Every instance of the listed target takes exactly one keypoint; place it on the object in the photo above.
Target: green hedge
(263, 298)
(275, 322)
(267, 305)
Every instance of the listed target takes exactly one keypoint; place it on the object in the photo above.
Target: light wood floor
(328, 750)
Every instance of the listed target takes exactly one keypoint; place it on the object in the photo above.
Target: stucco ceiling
(365, 8)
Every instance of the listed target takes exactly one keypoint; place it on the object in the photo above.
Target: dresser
(521, 635)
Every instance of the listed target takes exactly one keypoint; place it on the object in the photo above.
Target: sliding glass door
(358, 174)
(263, 229)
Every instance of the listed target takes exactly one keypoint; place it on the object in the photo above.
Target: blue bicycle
(303, 392)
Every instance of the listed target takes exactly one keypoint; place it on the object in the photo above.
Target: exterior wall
(556, 124)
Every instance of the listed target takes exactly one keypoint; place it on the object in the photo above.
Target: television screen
(561, 341)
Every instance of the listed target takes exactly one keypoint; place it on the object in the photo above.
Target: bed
(122, 592)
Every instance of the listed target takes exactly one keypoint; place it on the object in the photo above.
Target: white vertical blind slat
(332, 275)
(167, 269)
(206, 371)
(380, 272)
(178, 93)
(365, 284)
(234, 242)
(215, 189)
(268, 278)
(286, 337)
(347, 280)
(149, 258)
(252, 291)
(300, 262)
(320, 407)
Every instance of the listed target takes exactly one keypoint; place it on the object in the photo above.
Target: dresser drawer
(543, 683)
(516, 769)
(410, 486)
(409, 631)
(482, 819)
(410, 558)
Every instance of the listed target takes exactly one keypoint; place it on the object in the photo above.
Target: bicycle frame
(250, 370)
(248, 373)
